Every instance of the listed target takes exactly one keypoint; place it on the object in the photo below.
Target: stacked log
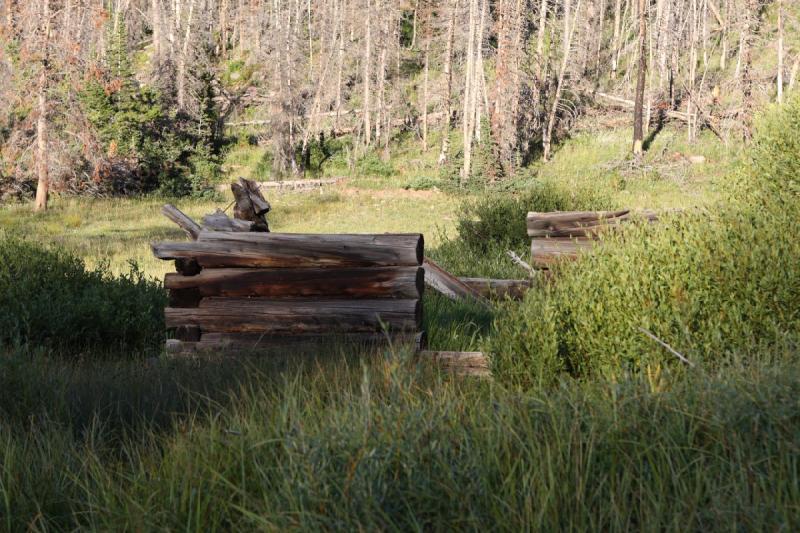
(565, 234)
(253, 290)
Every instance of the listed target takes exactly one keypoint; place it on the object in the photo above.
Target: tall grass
(342, 443)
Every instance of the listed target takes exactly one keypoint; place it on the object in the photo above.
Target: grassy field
(614, 435)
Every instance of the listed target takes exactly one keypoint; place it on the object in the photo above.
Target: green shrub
(372, 165)
(500, 217)
(710, 285)
(49, 298)
(774, 163)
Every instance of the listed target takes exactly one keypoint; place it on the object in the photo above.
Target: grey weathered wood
(287, 250)
(448, 285)
(370, 282)
(464, 363)
(545, 252)
(498, 288)
(189, 226)
(544, 224)
(276, 317)
(219, 221)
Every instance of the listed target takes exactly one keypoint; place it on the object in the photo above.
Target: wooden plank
(498, 288)
(370, 282)
(228, 342)
(273, 317)
(189, 226)
(287, 250)
(448, 285)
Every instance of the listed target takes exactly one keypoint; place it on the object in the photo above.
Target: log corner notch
(565, 234)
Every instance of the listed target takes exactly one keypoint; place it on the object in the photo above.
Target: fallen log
(463, 363)
(259, 315)
(545, 252)
(219, 221)
(287, 250)
(373, 282)
(189, 226)
(498, 288)
(546, 224)
(448, 285)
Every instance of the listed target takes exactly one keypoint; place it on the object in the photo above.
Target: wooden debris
(463, 363)
(219, 221)
(498, 288)
(188, 225)
(450, 286)
(312, 316)
(358, 283)
(250, 204)
(294, 185)
(284, 250)
(565, 234)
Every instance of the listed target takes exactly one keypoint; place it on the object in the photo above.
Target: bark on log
(189, 226)
(285, 250)
(375, 282)
(276, 317)
(542, 224)
(219, 221)
(448, 285)
(498, 288)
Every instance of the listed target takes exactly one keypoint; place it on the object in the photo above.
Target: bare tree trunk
(182, 59)
(469, 113)
(43, 185)
(155, 14)
(617, 32)
(340, 64)
(547, 136)
(793, 73)
(448, 75)
(638, 130)
(379, 121)
(780, 51)
(426, 60)
(367, 61)
(748, 104)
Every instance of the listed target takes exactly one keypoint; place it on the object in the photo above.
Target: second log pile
(564, 234)
(254, 289)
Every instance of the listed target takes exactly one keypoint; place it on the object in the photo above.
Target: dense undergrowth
(588, 424)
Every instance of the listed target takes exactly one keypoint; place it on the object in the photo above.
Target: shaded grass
(381, 443)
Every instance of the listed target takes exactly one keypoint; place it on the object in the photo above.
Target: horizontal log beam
(463, 363)
(580, 223)
(287, 250)
(370, 282)
(278, 317)
(498, 288)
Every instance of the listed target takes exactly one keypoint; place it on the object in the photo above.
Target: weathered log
(260, 205)
(219, 221)
(189, 226)
(260, 315)
(448, 285)
(286, 250)
(580, 223)
(243, 207)
(542, 224)
(463, 363)
(373, 282)
(297, 185)
(545, 252)
(498, 288)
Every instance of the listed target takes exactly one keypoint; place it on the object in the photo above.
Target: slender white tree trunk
(43, 185)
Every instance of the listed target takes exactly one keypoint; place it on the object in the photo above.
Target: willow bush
(713, 284)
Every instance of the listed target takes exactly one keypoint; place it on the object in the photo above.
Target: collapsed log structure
(561, 235)
(249, 289)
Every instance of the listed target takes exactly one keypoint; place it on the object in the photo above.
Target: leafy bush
(423, 183)
(49, 298)
(500, 218)
(372, 165)
(713, 285)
